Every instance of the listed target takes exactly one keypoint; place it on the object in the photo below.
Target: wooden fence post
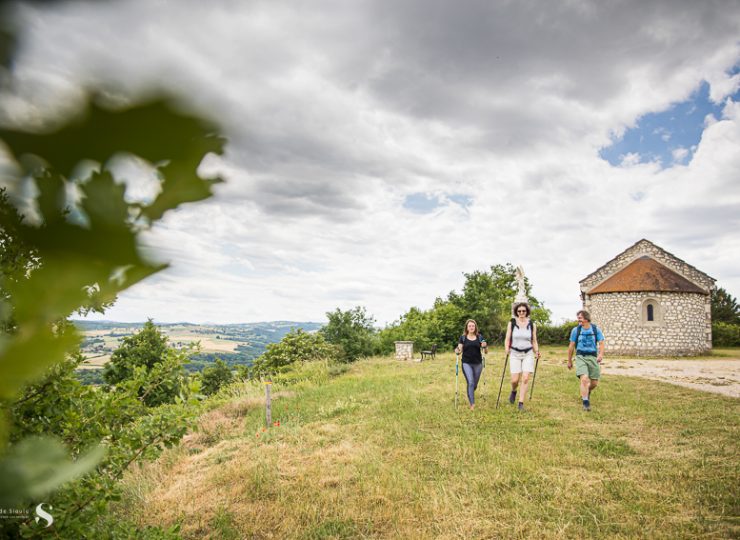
(268, 404)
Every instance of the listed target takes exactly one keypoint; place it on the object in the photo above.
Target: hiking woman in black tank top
(470, 345)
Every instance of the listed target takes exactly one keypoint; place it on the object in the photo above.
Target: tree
(148, 350)
(724, 307)
(213, 378)
(296, 346)
(352, 330)
(486, 297)
(146, 347)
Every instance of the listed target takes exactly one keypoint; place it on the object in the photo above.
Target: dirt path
(717, 376)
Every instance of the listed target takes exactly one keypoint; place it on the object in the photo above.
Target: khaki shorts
(587, 365)
(521, 361)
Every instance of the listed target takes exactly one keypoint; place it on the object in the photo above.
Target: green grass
(381, 452)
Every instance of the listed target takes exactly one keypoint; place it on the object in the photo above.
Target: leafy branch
(84, 252)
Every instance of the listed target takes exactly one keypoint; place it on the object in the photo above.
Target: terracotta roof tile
(646, 274)
(645, 240)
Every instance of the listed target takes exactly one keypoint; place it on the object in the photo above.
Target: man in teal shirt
(587, 341)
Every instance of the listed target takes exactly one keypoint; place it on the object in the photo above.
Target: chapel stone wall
(682, 324)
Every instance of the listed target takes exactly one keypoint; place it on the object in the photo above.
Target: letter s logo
(42, 514)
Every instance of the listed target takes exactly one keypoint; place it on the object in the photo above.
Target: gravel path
(716, 376)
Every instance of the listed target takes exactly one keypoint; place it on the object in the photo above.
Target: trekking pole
(506, 360)
(534, 376)
(457, 371)
(482, 374)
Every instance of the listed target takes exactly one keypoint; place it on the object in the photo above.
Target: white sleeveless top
(521, 338)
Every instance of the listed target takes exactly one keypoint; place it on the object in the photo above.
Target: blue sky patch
(669, 137)
(463, 200)
(421, 203)
(425, 203)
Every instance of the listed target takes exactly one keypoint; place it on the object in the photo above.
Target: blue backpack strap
(596, 335)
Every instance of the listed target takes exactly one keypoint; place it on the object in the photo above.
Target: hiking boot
(520, 407)
(512, 397)
(587, 407)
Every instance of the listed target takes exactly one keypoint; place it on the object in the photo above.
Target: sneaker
(520, 406)
(512, 397)
(587, 407)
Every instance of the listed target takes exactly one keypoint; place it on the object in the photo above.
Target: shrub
(213, 378)
(352, 330)
(725, 335)
(555, 335)
(296, 347)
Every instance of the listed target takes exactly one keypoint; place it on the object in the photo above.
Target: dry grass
(381, 453)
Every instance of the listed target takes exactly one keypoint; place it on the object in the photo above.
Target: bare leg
(525, 383)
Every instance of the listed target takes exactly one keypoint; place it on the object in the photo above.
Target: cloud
(679, 154)
(485, 118)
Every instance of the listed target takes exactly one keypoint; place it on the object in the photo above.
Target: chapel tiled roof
(646, 274)
(647, 242)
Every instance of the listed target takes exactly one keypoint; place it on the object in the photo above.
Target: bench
(431, 353)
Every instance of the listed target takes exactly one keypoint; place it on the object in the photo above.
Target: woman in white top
(521, 346)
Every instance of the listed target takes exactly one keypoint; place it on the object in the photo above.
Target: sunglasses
(521, 310)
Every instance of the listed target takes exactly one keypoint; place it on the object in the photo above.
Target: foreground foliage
(81, 248)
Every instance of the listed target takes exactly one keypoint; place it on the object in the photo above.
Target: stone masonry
(681, 330)
(682, 322)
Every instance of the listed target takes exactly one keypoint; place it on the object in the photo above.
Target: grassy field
(381, 452)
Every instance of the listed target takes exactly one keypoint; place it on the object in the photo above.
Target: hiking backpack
(530, 325)
(596, 335)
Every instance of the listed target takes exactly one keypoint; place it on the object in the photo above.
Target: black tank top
(471, 349)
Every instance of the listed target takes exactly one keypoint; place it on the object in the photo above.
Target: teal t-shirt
(587, 341)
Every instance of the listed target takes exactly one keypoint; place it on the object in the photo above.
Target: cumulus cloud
(338, 114)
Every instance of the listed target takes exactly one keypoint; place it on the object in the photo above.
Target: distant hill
(233, 343)
(269, 326)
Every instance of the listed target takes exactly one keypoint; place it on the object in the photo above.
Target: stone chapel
(649, 302)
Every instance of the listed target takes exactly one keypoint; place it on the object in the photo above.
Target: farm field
(238, 342)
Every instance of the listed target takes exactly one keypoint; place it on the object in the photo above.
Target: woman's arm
(535, 344)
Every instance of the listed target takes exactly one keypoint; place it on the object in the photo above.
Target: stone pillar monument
(521, 295)
(404, 350)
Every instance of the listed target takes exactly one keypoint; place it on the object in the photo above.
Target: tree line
(486, 296)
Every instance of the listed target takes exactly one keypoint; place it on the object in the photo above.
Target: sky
(379, 150)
